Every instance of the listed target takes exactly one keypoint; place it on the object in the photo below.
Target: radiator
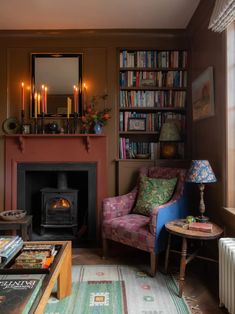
(227, 273)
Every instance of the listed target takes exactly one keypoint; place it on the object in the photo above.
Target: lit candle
(45, 99)
(69, 102)
(22, 95)
(39, 103)
(35, 104)
(75, 95)
(85, 95)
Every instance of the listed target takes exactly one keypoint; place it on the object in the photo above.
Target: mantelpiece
(55, 148)
(22, 138)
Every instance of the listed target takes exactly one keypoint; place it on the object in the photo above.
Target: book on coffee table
(17, 295)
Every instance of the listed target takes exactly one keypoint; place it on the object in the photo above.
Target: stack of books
(200, 226)
(35, 256)
(9, 247)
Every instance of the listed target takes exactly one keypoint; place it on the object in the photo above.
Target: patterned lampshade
(169, 132)
(200, 172)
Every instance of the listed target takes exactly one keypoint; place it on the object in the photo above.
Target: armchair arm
(161, 215)
(119, 205)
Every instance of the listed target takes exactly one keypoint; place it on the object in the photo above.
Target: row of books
(158, 99)
(130, 149)
(149, 119)
(159, 79)
(9, 247)
(154, 121)
(153, 59)
(35, 256)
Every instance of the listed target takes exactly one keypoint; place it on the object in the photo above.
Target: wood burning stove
(59, 206)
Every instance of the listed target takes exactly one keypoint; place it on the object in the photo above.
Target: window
(230, 175)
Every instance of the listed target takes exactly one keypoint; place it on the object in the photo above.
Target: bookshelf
(152, 89)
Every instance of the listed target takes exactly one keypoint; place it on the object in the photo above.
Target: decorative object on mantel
(11, 126)
(52, 128)
(13, 214)
(92, 121)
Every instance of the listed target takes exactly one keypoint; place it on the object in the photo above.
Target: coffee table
(60, 271)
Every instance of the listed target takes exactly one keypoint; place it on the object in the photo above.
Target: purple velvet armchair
(143, 232)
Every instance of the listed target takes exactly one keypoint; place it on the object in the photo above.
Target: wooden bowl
(142, 156)
(13, 214)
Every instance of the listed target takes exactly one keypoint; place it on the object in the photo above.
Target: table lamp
(169, 135)
(201, 172)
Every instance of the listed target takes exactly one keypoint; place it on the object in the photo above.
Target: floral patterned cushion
(153, 192)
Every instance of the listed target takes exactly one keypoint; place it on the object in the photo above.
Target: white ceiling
(95, 14)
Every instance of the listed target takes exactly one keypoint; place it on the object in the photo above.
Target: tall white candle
(35, 105)
(22, 96)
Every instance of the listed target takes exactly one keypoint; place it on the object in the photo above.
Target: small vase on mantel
(98, 128)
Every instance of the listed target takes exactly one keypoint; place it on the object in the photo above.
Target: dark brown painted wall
(209, 135)
(100, 70)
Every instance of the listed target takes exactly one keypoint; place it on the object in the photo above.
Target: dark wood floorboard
(201, 285)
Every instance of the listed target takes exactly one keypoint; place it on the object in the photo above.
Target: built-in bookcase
(152, 89)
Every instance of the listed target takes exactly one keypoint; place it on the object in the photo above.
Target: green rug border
(181, 304)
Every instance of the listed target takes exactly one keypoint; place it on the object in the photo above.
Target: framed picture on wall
(203, 95)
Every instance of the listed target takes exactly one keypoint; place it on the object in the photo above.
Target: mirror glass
(56, 84)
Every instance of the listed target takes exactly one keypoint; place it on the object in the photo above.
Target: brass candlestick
(22, 120)
(36, 125)
(75, 122)
(42, 123)
(67, 125)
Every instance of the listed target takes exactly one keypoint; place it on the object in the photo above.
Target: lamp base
(202, 219)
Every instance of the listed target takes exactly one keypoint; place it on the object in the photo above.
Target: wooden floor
(201, 286)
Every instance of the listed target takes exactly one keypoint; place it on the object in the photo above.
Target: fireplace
(50, 193)
(32, 164)
(59, 206)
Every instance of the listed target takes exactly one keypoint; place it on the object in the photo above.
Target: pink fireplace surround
(61, 148)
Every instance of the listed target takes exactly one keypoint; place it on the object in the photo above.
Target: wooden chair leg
(105, 247)
(153, 264)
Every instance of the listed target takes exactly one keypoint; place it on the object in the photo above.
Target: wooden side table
(186, 234)
(24, 225)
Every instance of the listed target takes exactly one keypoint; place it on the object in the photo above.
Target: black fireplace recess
(61, 197)
(59, 206)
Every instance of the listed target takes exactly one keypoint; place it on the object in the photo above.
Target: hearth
(59, 206)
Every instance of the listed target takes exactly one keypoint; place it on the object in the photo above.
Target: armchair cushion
(131, 230)
(152, 193)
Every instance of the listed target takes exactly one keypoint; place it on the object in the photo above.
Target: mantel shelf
(22, 137)
(55, 135)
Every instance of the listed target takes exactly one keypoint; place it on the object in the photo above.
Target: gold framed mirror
(56, 82)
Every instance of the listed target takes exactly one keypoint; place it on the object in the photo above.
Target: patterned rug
(113, 289)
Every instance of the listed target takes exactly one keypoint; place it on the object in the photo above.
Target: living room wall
(209, 135)
(100, 71)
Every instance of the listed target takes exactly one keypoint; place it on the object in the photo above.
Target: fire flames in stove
(60, 203)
